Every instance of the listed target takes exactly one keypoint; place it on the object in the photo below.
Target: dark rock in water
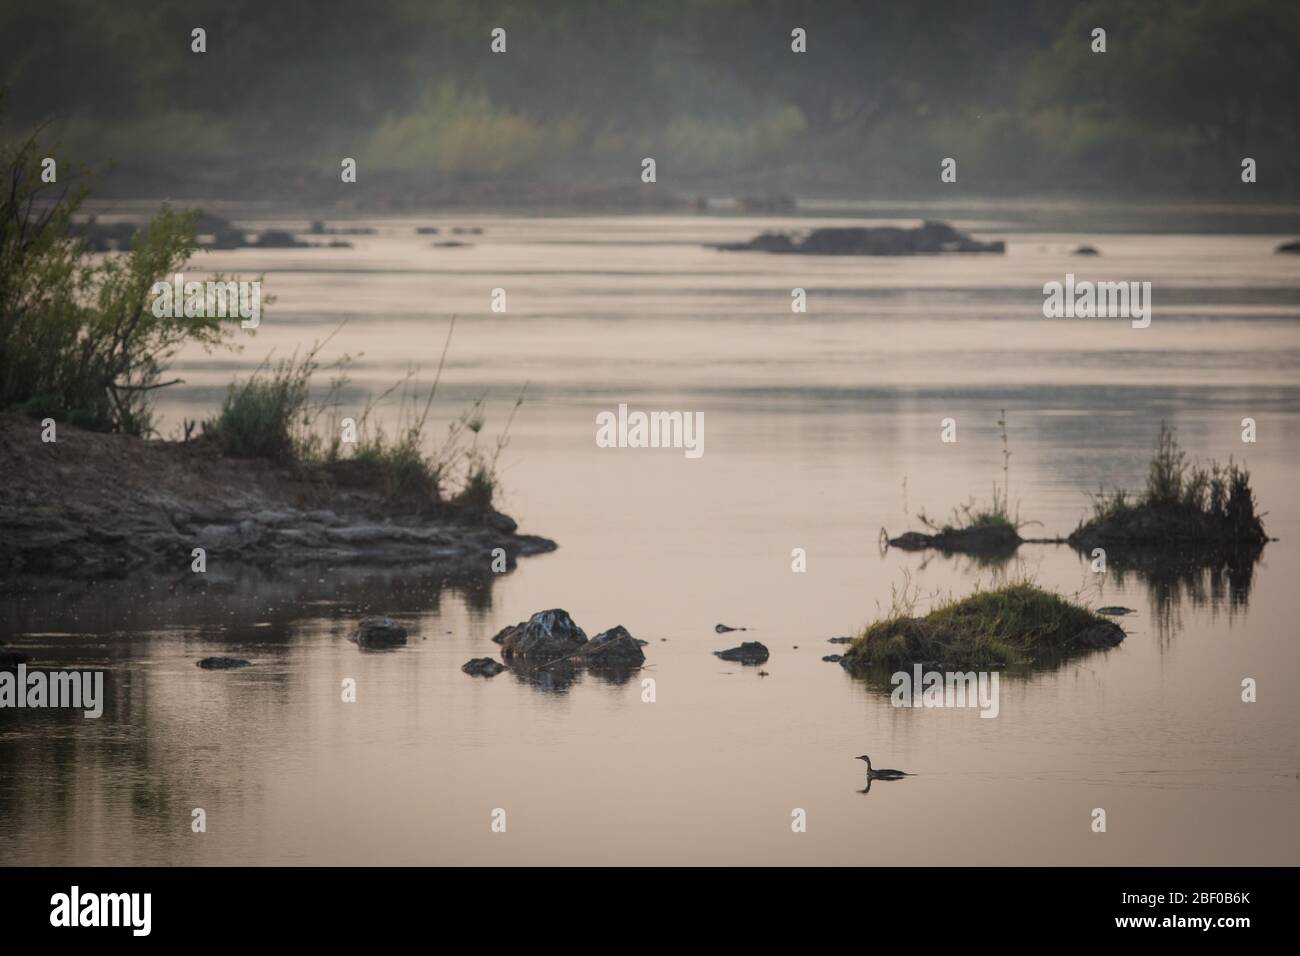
(841, 640)
(452, 244)
(1291, 247)
(1110, 611)
(833, 658)
(426, 230)
(544, 637)
(723, 629)
(278, 239)
(318, 228)
(216, 232)
(211, 231)
(615, 648)
(927, 239)
(1086, 251)
(379, 631)
(483, 667)
(1100, 636)
(994, 539)
(550, 650)
(1173, 527)
(222, 663)
(748, 653)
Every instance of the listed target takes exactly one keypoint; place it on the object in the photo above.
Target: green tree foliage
(79, 340)
(711, 87)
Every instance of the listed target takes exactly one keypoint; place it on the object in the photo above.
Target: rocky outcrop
(749, 653)
(168, 498)
(213, 232)
(222, 663)
(546, 636)
(929, 238)
(551, 646)
(612, 650)
(483, 667)
(377, 632)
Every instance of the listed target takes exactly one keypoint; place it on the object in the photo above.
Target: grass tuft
(995, 515)
(1187, 499)
(272, 415)
(1016, 624)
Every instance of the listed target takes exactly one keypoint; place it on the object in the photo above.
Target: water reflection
(560, 676)
(1219, 579)
(272, 600)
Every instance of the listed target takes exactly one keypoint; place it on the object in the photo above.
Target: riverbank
(92, 503)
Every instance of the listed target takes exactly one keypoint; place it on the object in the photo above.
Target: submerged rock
(1112, 611)
(546, 636)
(379, 631)
(992, 539)
(749, 653)
(928, 238)
(1105, 634)
(833, 658)
(222, 663)
(615, 648)
(483, 667)
(1292, 247)
(278, 239)
(1086, 251)
(724, 629)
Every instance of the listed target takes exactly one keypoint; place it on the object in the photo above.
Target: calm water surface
(820, 430)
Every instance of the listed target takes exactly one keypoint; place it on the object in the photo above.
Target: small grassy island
(1184, 507)
(981, 532)
(988, 531)
(1015, 625)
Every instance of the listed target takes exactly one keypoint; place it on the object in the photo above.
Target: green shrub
(79, 340)
(259, 416)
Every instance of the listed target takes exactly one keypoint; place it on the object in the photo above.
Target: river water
(820, 429)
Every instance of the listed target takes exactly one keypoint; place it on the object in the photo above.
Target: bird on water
(883, 773)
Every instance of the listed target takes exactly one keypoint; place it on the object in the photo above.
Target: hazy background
(710, 88)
